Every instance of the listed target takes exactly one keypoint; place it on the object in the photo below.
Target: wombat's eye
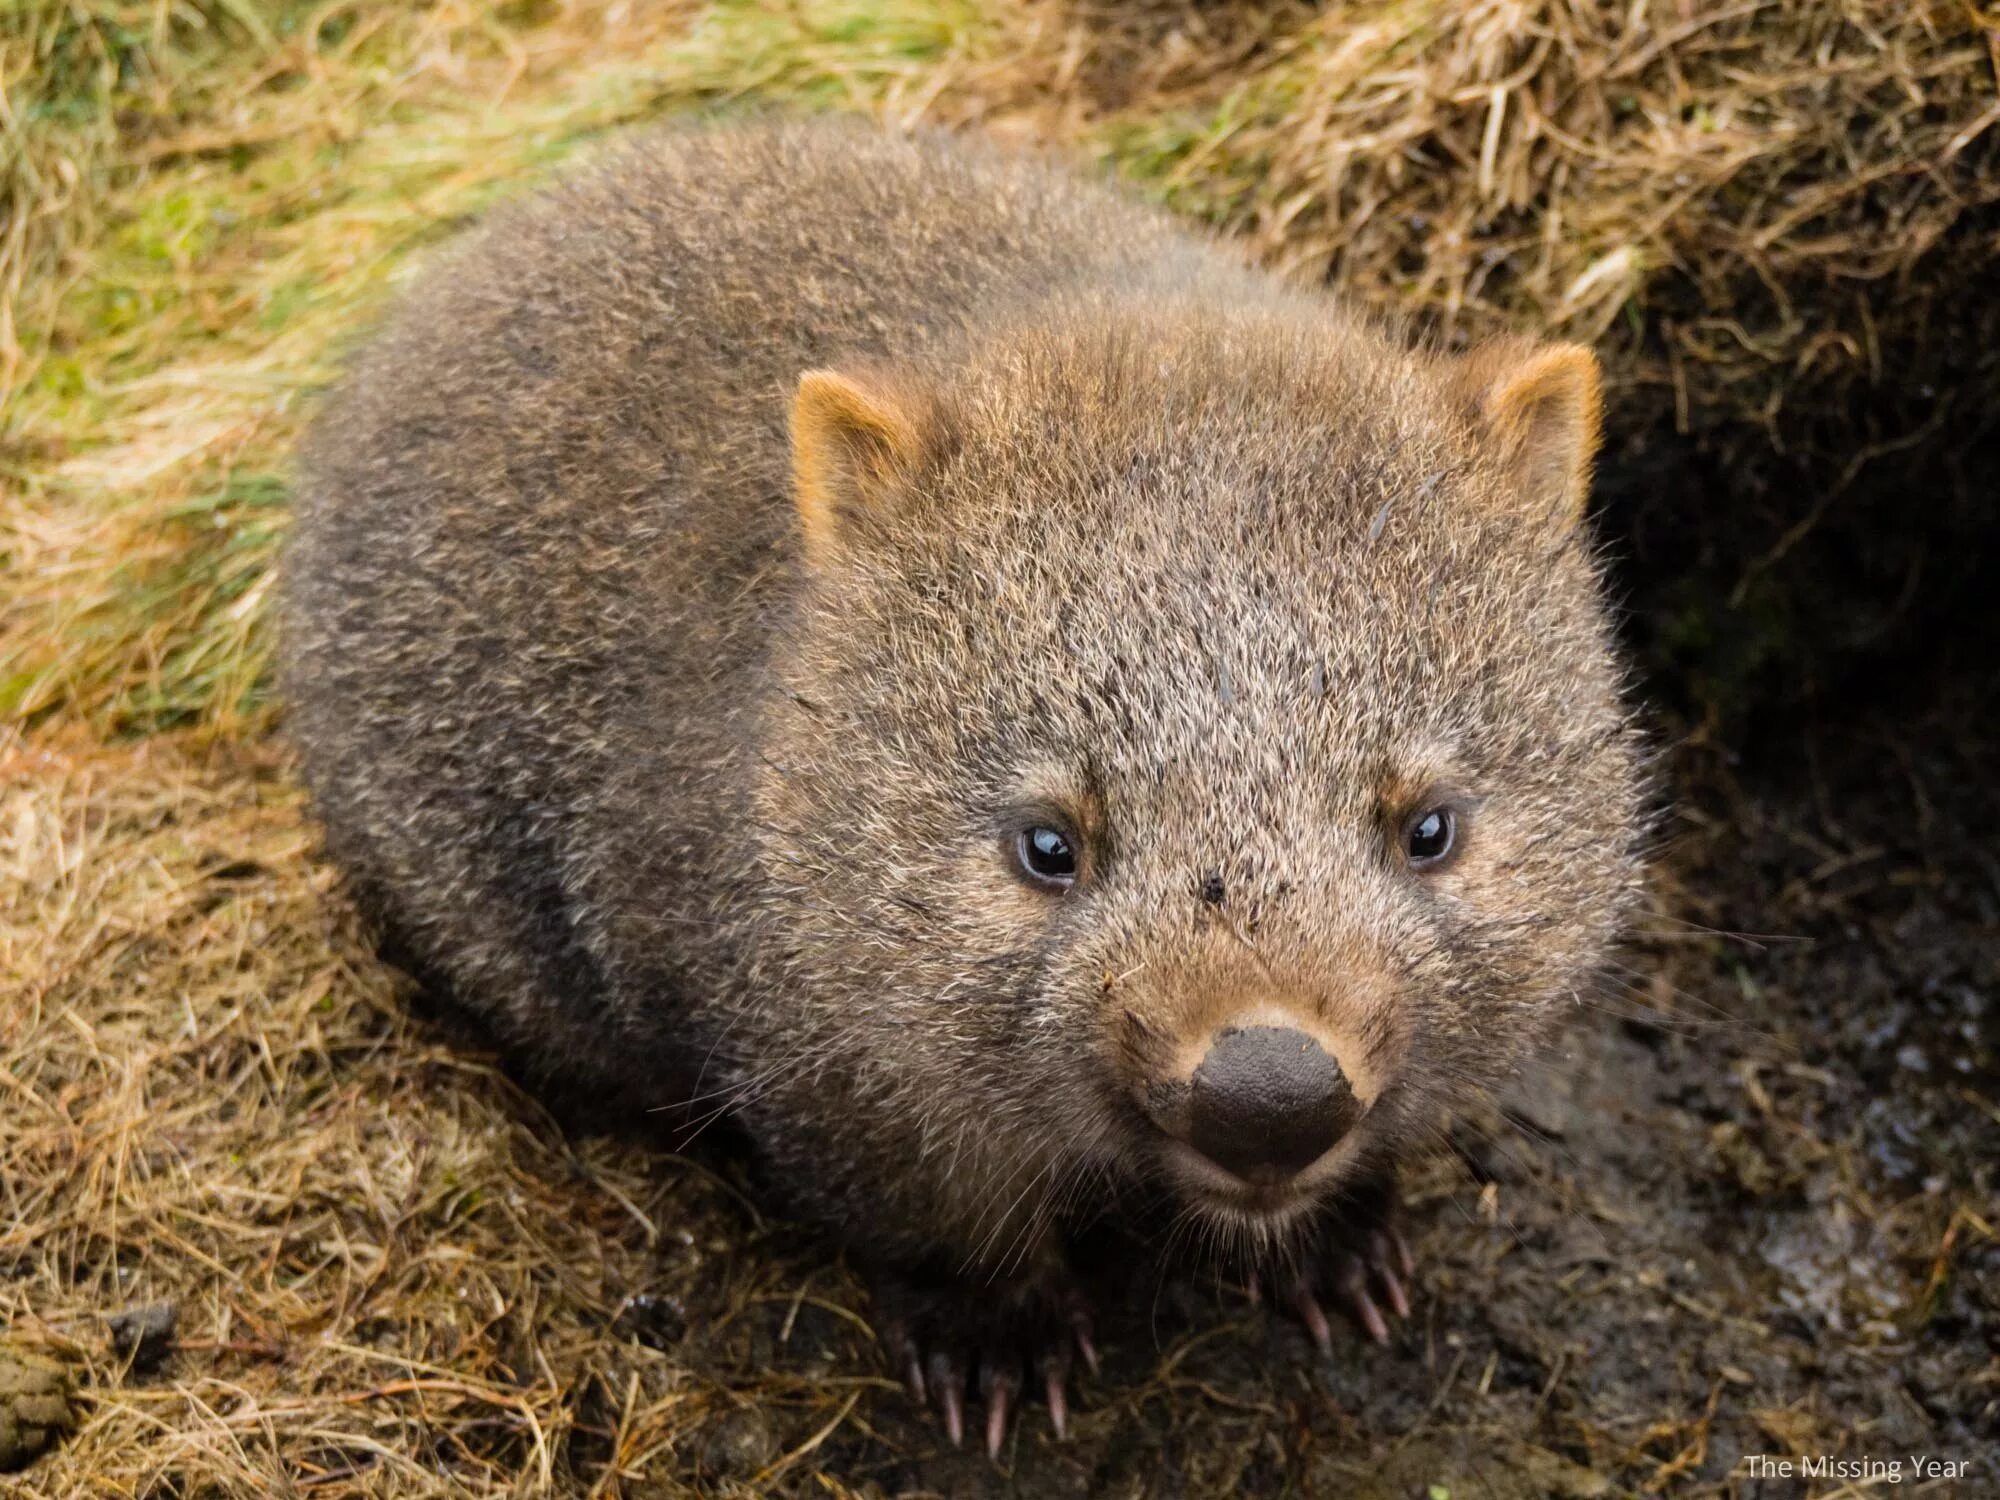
(1045, 857)
(1430, 837)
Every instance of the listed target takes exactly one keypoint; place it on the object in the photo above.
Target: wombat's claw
(1381, 1265)
(1079, 1325)
(1306, 1305)
(1350, 1279)
(1364, 1265)
(996, 1364)
(1058, 1398)
(1390, 1260)
(998, 1391)
(947, 1378)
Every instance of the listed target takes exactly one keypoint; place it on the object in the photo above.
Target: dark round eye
(1046, 857)
(1428, 838)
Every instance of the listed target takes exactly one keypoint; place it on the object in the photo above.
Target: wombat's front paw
(952, 1342)
(1358, 1256)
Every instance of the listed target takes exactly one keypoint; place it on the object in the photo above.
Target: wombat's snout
(1266, 1102)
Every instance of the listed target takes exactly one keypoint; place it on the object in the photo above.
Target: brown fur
(684, 754)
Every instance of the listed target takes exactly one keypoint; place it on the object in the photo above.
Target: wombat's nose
(1267, 1101)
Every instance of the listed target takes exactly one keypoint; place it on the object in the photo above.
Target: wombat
(892, 644)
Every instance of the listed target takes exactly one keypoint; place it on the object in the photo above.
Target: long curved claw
(1058, 1398)
(1306, 1305)
(1406, 1263)
(948, 1381)
(1384, 1264)
(999, 1403)
(1079, 1323)
(1350, 1279)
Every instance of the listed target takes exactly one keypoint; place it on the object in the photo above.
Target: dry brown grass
(207, 1105)
(1736, 199)
(395, 1277)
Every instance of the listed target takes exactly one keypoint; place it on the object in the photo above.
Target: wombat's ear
(853, 437)
(1542, 405)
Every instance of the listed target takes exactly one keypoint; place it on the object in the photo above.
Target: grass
(394, 1278)
(167, 332)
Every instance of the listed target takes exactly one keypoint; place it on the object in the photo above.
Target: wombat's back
(543, 527)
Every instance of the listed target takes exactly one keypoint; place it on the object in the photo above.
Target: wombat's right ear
(852, 439)
(1541, 405)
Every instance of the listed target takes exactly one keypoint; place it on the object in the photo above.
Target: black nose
(1267, 1101)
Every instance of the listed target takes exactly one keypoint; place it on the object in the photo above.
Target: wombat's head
(1200, 757)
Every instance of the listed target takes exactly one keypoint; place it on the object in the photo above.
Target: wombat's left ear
(854, 438)
(1542, 406)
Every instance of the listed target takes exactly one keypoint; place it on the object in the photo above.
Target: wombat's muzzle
(1266, 1102)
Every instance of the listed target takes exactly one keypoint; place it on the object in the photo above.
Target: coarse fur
(685, 749)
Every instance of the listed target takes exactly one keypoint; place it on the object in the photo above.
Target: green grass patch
(249, 179)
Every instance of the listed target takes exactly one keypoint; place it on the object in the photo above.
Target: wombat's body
(973, 791)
